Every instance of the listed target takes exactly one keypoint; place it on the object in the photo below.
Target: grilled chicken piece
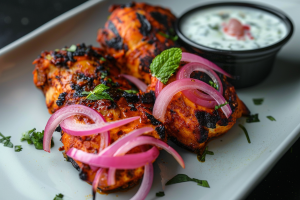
(133, 35)
(63, 75)
(192, 126)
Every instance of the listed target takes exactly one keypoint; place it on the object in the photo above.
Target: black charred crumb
(148, 97)
(162, 19)
(130, 173)
(114, 93)
(172, 111)
(161, 131)
(113, 105)
(113, 28)
(152, 119)
(145, 24)
(83, 175)
(116, 43)
(75, 165)
(61, 99)
(78, 90)
(145, 62)
(206, 119)
(58, 129)
(223, 122)
(130, 98)
(132, 107)
(203, 133)
(150, 41)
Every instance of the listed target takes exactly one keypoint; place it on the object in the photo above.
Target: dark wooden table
(19, 17)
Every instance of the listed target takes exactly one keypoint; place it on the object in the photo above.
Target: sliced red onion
(64, 113)
(71, 127)
(142, 140)
(137, 82)
(194, 95)
(146, 183)
(130, 161)
(96, 180)
(189, 57)
(110, 150)
(158, 87)
(166, 95)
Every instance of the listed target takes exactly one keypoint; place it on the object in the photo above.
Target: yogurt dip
(213, 27)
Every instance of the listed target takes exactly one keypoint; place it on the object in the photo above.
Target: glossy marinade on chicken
(63, 75)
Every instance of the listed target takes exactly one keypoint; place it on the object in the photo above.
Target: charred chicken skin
(134, 36)
(63, 76)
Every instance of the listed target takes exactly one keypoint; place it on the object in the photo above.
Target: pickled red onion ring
(73, 128)
(166, 95)
(130, 161)
(146, 183)
(188, 57)
(205, 100)
(158, 87)
(64, 113)
(137, 82)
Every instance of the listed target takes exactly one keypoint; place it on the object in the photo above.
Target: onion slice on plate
(170, 90)
(137, 82)
(189, 57)
(130, 161)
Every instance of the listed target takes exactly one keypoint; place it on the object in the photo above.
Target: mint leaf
(98, 93)
(271, 118)
(18, 148)
(258, 101)
(6, 141)
(179, 178)
(26, 135)
(201, 157)
(165, 64)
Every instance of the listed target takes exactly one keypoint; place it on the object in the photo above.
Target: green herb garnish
(179, 178)
(271, 118)
(165, 64)
(18, 148)
(203, 155)
(214, 85)
(103, 59)
(174, 38)
(103, 74)
(59, 197)
(214, 27)
(219, 106)
(252, 118)
(72, 48)
(246, 132)
(160, 194)
(98, 93)
(35, 138)
(131, 91)
(258, 101)
(6, 141)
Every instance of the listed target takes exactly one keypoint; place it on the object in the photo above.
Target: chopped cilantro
(165, 64)
(258, 101)
(131, 91)
(214, 85)
(173, 38)
(219, 106)
(214, 27)
(246, 132)
(49, 57)
(103, 59)
(179, 178)
(201, 157)
(6, 141)
(98, 93)
(59, 197)
(72, 48)
(160, 194)
(35, 138)
(271, 118)
(252, 118)
(18, 148)
(103, 74)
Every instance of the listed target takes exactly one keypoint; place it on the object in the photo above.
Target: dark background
(19, 17)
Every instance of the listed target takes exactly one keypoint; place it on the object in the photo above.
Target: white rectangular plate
(232, 172)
